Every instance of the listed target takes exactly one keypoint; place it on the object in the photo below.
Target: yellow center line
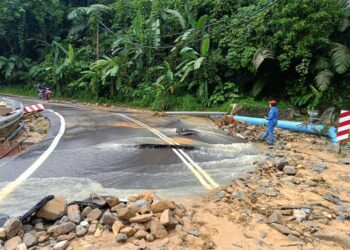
(203, 177)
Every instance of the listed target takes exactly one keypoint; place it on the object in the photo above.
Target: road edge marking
(12, 186)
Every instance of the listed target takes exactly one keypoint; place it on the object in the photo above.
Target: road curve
(117, 152)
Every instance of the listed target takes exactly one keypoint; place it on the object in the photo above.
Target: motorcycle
(45, 94)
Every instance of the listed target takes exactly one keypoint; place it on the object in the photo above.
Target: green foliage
(179, 54)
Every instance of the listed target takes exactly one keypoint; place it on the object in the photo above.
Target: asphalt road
(121, 153)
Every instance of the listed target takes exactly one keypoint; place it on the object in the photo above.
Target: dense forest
(179, 53)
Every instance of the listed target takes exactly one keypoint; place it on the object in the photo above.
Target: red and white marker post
(34, 108)
(343, 128)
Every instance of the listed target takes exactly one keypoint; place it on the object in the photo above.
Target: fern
(340, 56)
(323, 79)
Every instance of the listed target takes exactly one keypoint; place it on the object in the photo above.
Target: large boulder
(168, 220)
(12, 227)
(161, 205)
(13, 243)
(73, 213)
(141, 218)
(53, 210)
(64, 228)
(30, 239)
(157, 229)
(125, 213)
(94, 214)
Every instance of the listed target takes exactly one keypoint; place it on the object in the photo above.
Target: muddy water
(123, 170)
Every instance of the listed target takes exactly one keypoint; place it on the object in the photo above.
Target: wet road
(100, 152)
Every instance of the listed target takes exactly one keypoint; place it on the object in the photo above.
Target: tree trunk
(97, 42)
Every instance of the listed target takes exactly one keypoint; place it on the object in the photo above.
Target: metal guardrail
(16, 114)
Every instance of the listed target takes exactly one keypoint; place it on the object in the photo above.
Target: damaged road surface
(120, 153)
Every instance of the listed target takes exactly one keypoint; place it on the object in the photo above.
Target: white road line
(201, 175)
(10, 187)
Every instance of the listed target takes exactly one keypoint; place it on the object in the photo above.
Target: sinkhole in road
(125, 169)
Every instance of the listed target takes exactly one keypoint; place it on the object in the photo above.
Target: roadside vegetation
(182, 55)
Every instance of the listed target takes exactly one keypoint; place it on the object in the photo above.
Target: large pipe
(294, 126)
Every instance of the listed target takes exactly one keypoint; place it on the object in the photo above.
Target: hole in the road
(187, 147)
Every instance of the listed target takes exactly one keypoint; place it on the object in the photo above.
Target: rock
(112, 201)
(157, 229)
(281, 228)
(13, 243)
(319, 167)
(2, 233)
(141, 218)
(80, 231)
(92, 228)
(241, 196)
(160, 205)
(194, 233)
(345, 161)
(129, 231)
(266, 191)
(53, 209)
(332, 198)
(342, 217)
(117, 226)
(293, 238)
(99, 231)
(121, 237)
(259, 219)
(289, 170)
(98, 200)
(281, 162)
(168, 220)
(221, 194)
(30, 239)
(277, 217)
(84, 224)
(63, 245)
(299, 215)
(12, 227)
(64, 228)
(141, 234)
(146, 209)
(138, 226)
(21, 246)
(108, 218)
(43, 238)
(149, 237)
(39, 226)
(125, 213)
(64, 219)
(333, 236)
(94, 214)
(73, 213)
(85, 212)
(262, 234)
(119, 206)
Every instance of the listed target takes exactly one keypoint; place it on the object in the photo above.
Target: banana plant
(83, 17)
(194, 63)
(102, 72)
(165, 81)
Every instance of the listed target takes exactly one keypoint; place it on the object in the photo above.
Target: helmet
(273, 102)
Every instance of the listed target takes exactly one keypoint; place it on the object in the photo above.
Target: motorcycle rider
(41, 89)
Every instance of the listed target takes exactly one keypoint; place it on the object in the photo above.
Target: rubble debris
(148, 220)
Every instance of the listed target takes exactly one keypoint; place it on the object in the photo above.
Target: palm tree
(91, 16)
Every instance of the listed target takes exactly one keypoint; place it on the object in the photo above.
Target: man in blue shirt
(272, 120)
